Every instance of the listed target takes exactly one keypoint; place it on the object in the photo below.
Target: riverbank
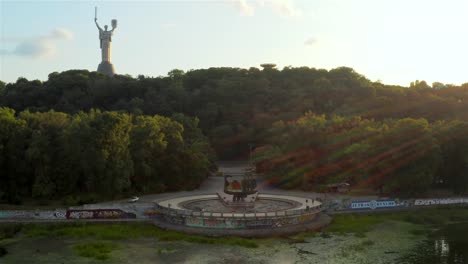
(352, 238)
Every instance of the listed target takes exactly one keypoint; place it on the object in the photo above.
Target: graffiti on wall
(16, 214)
(50, 215)
(99, 214)
(230, 223)
(374, 204)
(285, 221)
(214, 223)
(307, 217)
(445, 201)
(178, 220)
(258, 223)
(194, 221)
(151, 213)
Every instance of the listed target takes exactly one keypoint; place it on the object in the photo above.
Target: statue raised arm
(105, 39)
(97, 25)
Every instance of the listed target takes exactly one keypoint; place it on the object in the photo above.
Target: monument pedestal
(106, 68)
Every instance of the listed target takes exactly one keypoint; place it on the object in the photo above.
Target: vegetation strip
(125, 231)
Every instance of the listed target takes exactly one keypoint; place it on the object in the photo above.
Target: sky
(391, 41)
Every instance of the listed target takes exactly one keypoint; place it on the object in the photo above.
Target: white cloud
(244, 7)
(285, 8)
(311, 41)
(61, 33)
(37, 48)
(40, 46)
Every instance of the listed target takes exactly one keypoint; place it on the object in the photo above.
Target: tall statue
(105, 37)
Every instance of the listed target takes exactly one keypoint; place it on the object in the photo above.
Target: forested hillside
(237, 107)
(96, 155)
(395, 156)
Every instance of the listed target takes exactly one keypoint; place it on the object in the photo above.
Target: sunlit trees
(51, 154)
(361, 121)
(406, 156)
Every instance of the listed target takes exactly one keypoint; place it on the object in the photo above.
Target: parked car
(133, 199)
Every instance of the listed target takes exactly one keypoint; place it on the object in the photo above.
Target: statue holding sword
(105, 37)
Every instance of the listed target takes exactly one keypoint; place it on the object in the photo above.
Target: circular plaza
(259, 215)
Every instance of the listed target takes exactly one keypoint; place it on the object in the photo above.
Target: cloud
(284, 8)
(311, 41)
(61, 33)
(244, 8)
(38, 47)
(34, 48)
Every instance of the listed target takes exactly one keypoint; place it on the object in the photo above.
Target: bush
(70, 200)
(87, 199)
(16, 200)
(3, 252)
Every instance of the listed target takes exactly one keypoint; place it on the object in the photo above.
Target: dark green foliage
(3, 252)
(90, 156)
(405, 156)
(236, 107)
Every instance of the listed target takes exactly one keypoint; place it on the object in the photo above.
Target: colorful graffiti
(230, 223)
(99, 214)
(445, 201)
(194, 221)
(151, 213)
(307, 217)
(50, 215)
(374, 204)
(259, 223)
(214, 223)
(16, 214)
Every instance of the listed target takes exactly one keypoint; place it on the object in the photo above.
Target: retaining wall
(235, 220)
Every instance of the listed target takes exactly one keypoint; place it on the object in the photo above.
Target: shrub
(70, 200)
(87, 199)
(3, 252)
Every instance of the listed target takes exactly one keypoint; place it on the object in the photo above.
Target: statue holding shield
(105, 37)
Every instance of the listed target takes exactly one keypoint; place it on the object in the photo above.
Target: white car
(133, 199)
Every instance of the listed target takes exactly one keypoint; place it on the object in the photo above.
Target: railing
(253, 215)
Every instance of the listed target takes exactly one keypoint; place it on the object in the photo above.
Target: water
(448, 245)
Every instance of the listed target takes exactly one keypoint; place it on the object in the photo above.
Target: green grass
(354, 223)
(9, 230)
(127, 231)
(99, 250)
(360, 247)
(167, 250)
(359, 224)
(367, 243)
